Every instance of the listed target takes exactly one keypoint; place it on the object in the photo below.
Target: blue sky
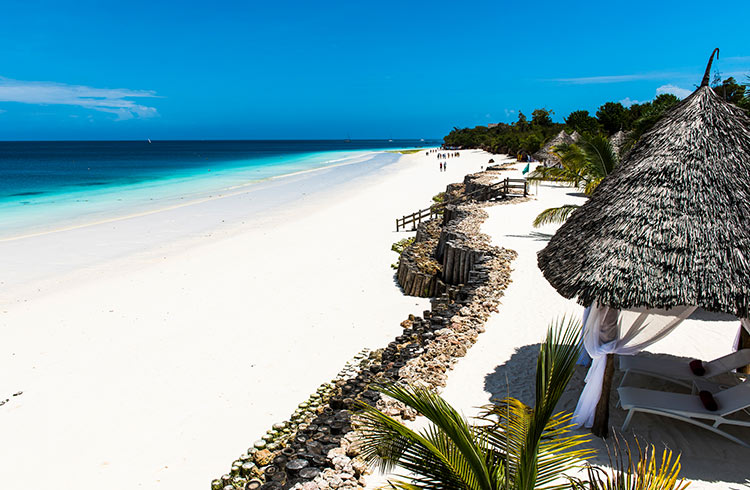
(282, 69)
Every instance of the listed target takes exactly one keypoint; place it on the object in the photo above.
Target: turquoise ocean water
(53, 185)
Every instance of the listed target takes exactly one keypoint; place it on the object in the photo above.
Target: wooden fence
(503, 188)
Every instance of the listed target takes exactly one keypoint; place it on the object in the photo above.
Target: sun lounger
(679, 371)
(689, 408)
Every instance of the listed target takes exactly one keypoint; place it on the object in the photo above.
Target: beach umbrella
(671, 225)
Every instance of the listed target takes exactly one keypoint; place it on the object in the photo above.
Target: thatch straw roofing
(545, 154)
(671, 225)
(618, 140)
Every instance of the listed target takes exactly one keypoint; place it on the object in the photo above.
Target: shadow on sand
(704, 455)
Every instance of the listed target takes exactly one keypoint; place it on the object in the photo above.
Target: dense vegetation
(526, 137)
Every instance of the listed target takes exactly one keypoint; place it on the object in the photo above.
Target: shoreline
(173, 228)
(196, 197)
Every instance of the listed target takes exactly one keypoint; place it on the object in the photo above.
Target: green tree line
(526, 137)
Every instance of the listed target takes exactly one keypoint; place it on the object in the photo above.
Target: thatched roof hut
(618, 141)
(671, 225)
(545, 154)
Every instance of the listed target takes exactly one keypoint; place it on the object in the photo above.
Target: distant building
(492, 125)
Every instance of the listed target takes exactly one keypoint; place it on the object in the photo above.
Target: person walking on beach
(441, 166)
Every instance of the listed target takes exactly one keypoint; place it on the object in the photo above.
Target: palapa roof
(545, 154)
(617, 140)
(671, 225)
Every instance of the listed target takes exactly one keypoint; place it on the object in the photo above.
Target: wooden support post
(448, 265)
(600, 428)
(744, 343)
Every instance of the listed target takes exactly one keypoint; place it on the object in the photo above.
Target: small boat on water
(149, 140)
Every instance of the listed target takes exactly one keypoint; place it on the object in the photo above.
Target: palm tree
(583, 165)
(514, 447)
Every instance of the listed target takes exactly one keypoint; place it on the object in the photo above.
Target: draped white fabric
(611, 331)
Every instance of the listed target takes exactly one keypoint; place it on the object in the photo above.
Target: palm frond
(582, 165)
(448, 454)
(625, 474)
(552, 174)
(522, 448)
(452, 425)
(601, 156)
(555, 366)
(388, 443)
(538, 445)
(554, 215)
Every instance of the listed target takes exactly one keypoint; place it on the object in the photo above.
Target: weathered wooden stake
(600, 428)
(448, 264)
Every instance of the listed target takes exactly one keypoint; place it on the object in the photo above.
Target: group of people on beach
(448, 155)
(442, 157)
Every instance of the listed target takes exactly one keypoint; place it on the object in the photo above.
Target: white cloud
(673, 89)
(613, 78)
(115, 101)
(509, 112)
(627, 101)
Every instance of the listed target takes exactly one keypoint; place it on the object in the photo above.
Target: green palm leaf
(554, 215)
(448, 454)
(519, 448)
(582, 165)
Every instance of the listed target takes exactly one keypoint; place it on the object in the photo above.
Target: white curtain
(611, 331)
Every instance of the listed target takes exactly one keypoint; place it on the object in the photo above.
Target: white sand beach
(158, 368)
